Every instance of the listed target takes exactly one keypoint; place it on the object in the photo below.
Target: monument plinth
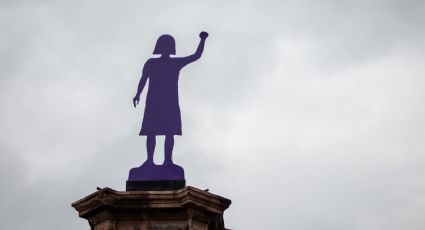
(185, 209)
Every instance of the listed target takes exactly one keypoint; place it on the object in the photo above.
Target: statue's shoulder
(151, 62)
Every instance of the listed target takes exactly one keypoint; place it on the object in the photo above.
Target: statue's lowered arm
(140, 87)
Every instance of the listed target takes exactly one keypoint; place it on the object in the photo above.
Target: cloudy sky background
(306, 114)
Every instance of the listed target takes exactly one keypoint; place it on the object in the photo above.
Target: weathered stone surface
(185, 209)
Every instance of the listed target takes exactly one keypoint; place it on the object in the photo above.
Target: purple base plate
(152, 172)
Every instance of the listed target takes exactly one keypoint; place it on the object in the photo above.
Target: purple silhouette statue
(162, 110)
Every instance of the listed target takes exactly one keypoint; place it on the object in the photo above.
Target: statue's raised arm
(198, 53)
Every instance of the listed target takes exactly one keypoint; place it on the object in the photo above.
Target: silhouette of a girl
(162, 111)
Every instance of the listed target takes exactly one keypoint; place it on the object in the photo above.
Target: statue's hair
(165, 45)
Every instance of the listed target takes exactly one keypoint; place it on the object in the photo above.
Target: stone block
(186, 209)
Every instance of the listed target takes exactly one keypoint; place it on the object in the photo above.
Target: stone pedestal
(185, 209)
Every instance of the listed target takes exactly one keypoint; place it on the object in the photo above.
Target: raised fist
(203, 35)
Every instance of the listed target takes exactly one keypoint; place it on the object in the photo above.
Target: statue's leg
(150, 147)
(168, 149)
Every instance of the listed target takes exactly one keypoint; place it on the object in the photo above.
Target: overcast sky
(306, 114)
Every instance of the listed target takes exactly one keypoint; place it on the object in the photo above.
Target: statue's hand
(136, 100)
(203, 35)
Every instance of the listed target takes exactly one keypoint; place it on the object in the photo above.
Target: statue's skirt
(161, 119)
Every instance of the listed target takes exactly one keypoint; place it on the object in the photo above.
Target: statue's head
(165, 45)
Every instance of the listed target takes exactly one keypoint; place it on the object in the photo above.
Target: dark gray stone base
(154, 185)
